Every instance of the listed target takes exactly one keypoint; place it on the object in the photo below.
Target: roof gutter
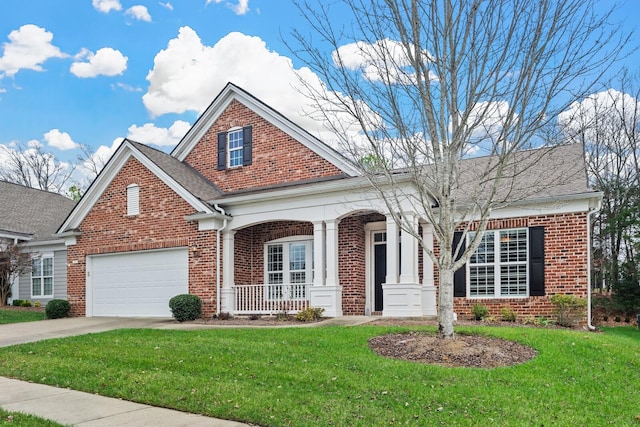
(591, 212)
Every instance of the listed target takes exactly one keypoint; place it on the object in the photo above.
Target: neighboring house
(254, 215)
(32, 216)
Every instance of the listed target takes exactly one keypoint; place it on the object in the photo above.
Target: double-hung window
(235, 148)
(42, 277)
(288, 268)
(499, 267)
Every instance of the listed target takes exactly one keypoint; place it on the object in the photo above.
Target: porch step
(376, 313)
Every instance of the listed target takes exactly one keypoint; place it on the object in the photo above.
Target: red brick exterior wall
(160, 224)
(277, 157)
(565, 247)
(249, 247)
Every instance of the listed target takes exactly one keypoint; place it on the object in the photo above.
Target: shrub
(17, 303)
(57, 309)
(569, 309)
(37, 304)
(309, 314)
(508, 315)
(26, 303)
(185, 307)
(479, 311)
(224, 315)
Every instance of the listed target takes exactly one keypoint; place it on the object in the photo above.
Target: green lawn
(16, 419)
(329, 376)
(15, 316)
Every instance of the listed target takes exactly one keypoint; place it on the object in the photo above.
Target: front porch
(358, 264)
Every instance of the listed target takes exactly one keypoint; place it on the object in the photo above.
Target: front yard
(330, 376)
(15, 315)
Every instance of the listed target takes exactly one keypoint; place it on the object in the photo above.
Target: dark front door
(380, 267)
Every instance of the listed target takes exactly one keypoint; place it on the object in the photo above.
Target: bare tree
(608, 125)
(13, 262)
(33, 167)
(434, 82)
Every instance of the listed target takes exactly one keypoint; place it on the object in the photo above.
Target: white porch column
(401, 298)
(327, 294)
(392, 251)
(226, 293)
(429, 307)
(409, 252)
(318, 253)
(332, 252)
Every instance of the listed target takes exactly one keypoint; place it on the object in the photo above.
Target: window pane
(275, 278)
(298, 277)
(36, 287)
(485, 253)
(513, 279)
(47, 267)
(235, 139)
(48, 286)
(297, 256)
(235, 158)
(513, 245)
(482, 281)
(36, 270)
(274, 258)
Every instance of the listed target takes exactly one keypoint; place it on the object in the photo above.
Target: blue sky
(92, 71)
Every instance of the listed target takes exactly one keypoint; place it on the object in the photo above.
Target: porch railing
(271, 299)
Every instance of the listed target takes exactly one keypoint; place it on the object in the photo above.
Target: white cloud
(106, 6)
(240, 8)
(166, 5)
(383, 61)
(150, 134)
(94, 164)
(188, 74)
(28, 48)
(126, 87)
(60, 140)
(139, 12)
(106, 61)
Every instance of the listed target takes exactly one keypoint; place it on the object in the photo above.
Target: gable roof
(181, 178)
(31, 214)
(232, 92)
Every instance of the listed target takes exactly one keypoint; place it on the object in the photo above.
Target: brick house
(249, 208)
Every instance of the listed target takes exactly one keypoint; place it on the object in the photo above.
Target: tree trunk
(445, 304)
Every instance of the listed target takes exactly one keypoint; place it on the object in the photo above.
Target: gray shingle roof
(184, 174)
(31, 211)
(532, 174)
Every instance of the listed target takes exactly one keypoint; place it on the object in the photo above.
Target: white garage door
(136, 283)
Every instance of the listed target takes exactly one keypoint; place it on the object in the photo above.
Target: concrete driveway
(19, 333)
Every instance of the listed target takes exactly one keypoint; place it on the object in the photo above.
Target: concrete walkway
(77, 408)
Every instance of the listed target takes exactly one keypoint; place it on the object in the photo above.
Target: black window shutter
(536, 261)
(222, 151)
(246, 146)
(460, 276)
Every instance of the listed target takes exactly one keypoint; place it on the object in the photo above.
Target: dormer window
(234, 148)
(133, 200)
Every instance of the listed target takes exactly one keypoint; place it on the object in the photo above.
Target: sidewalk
(77, 408)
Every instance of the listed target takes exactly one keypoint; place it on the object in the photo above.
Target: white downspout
(224, 225)
(591, 212)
